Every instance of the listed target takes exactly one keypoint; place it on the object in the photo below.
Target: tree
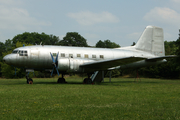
(106, 44)
(73, 39)
(170, 47)
(2, 49)
(36, 38)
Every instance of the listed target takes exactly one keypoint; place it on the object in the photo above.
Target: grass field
(121, 99)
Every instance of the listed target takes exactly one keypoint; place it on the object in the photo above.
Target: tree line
(171, 69)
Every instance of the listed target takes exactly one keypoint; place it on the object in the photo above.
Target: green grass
(121, 99)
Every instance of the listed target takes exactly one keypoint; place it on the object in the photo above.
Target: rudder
(152, 41)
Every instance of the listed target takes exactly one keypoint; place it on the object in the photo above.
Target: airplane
(148, 51)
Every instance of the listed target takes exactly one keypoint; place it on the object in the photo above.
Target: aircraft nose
(6, 59)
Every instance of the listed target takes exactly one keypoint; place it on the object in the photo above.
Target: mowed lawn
(121, 99)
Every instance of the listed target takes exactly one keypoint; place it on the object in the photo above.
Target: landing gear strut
(61, 80)
(87, 80)
(29, 80)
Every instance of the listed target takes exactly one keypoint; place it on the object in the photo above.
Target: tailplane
(152, 41)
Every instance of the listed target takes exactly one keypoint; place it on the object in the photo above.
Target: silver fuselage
(70, 58)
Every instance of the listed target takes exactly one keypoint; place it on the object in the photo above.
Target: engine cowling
(71, 64)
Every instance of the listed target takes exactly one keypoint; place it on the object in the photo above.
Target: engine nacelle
(71, 64)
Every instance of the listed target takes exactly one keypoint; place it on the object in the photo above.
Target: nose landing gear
(29, 80)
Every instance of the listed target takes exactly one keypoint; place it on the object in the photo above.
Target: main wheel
(85, 80)
(89, 81)
(61, 80)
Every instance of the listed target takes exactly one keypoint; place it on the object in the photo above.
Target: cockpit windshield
(15, 52)
(20, 52)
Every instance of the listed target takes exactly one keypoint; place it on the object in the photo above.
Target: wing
(105, 64)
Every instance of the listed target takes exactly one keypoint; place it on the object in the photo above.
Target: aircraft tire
(61, 80)
(30, 81)
(85, 81)
(89, 81)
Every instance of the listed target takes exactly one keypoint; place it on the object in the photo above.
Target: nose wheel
(29, 80)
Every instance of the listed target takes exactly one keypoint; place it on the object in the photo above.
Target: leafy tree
(170, 47)
(2, 49)
(106, 44)
(36, 38)
(73, 39)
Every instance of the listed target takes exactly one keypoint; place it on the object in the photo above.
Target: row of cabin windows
(85, 55)
(20, 52)
(24, 53)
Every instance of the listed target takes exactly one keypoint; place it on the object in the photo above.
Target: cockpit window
(23, 53)
(14, 52)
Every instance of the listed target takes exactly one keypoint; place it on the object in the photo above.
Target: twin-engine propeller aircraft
(148, 51)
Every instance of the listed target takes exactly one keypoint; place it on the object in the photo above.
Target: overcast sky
(121, 21)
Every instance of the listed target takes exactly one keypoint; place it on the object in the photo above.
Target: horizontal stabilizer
(105, 64)
(160, 58)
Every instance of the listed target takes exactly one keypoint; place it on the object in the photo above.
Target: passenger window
(62, 54)
(86, 56)
(93, 56)
(71, 55)
(78, 55)
(102, 56)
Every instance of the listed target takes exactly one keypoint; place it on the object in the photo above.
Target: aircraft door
(71, 64)
(34, 57)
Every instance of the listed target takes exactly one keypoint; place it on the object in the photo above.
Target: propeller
(55, 63)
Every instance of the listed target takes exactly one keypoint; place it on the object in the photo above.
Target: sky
(120, 21)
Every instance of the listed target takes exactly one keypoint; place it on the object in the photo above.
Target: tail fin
(152, 41)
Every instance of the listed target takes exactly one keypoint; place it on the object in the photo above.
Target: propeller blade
(57, 57)
(57, 71)
(52, 58)
(52, 72)
(54, 63)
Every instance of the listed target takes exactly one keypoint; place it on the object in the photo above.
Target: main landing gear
(87, 80)
(29, 80)
(61, 80)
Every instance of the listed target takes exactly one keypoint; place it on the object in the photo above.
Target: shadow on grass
(58, 83)
(113, 82)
